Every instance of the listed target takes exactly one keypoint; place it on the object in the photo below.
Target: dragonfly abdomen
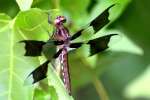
(65, 73)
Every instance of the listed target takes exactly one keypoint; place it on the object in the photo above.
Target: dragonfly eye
(59, 20)
(63, 20)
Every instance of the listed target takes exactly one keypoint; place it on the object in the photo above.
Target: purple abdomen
(65, 73)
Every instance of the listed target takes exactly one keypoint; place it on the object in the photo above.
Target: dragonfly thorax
(61, 33)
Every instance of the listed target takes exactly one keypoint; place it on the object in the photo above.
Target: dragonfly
(60, 43)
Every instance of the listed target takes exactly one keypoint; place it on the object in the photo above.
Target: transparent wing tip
(29, 80)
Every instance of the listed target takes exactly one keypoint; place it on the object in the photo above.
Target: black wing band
(58, 53)
(58, 42)
(77, 34)
(55, 42)
(75, 45)
(38, 74)
(33, 47)
(99, 44)
(101, 20)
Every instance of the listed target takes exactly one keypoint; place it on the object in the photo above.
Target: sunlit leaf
(139, 87)
(24, 4)
(15, 67)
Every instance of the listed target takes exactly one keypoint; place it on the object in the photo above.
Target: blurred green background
(120, 73)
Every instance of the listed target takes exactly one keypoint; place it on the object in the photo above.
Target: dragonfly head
(60, 20)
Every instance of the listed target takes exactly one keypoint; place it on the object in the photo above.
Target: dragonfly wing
(76, 45)
(33, 47)
(49, 49)
(77, 34)
(99, 44)
(58, 53)
(101, 20)
(38, 74)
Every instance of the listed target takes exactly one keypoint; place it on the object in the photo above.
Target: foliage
(119, 73)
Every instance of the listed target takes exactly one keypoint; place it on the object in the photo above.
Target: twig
(97, 84)
(56, 4)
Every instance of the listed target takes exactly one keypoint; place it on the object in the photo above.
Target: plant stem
(97, 84)
(56, 4)
(100, 89)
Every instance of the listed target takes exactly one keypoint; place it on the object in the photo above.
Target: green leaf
(14, 68)
(4, 20)
(24, 4)
(49, 93)
(33, 24)
(53, 93)
(136, 27)
(9, 7)
(39, 94)
(139, 87)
